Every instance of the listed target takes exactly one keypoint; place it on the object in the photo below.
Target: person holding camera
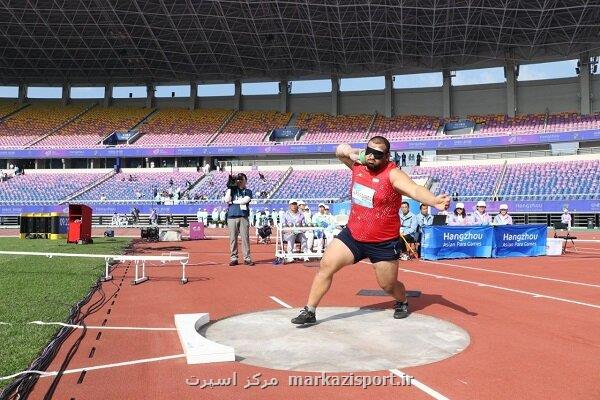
(238, 198)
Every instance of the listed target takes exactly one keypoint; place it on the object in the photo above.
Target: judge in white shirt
(480, 217)
(503, 218)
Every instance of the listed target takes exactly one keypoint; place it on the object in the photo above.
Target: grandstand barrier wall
(437, 143)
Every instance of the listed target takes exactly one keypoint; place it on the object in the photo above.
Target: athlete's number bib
(362, 195)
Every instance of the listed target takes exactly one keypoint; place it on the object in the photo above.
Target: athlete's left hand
(442, 202)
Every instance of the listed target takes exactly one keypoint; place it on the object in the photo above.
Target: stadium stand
(327, 128)
(181, 127)
(572, 121)
(36, 121)
(213, 186)
(552, 181)
(123, 187)
(94, 125)
(501, 124)
(46, 187)
(409, 126)
(312, 185)
(467, 181)
(251, 126)
(7, 107)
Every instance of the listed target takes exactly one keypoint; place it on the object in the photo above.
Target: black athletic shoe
(305, 317)
(233, 263)
(249, 262)
(401, 310)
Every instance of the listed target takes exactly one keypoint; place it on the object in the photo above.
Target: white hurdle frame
(280, 243)
(183, 260)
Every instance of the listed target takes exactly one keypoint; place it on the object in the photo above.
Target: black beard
(374, 168)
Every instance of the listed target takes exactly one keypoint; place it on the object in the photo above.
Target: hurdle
(138, 261)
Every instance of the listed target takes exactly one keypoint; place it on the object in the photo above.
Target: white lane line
(44, 374)
(511, 273)
(589, 248)
(420, 385)
(280, 302)
(125, 328)
(499, 287)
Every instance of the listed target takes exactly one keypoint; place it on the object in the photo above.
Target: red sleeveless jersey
(375, 205)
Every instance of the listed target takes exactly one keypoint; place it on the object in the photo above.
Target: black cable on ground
(22, 386)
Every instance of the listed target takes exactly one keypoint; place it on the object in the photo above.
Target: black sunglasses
(377, 154)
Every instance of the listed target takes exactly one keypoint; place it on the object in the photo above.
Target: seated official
(503, 218)
(480, 217)
(423, 219)
(323, 220)
(293, 217)
(565, 218)
(459, 217)
(408, 228)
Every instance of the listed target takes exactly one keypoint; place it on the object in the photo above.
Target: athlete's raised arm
(346, 154)
(402, 183)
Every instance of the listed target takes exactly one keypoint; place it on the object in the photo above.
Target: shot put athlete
(373, 226)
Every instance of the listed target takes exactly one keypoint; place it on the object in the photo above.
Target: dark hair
(381, 140)
(405, 202)
(242, 175)
(423, 205)
(463, 213)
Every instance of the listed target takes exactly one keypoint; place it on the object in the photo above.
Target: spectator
(418, 159)
(404, 159)
(103, 197)
(503, 218)
(138, 194)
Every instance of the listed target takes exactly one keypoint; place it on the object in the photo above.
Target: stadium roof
(94, 41)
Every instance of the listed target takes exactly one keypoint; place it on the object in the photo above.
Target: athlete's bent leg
(387, 277)
(336, 257)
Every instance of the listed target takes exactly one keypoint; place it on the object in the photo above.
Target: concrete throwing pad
(344, 339)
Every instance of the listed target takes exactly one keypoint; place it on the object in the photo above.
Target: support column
(66, 93)
(283, 96)
(193, 95)
(335, 96)
(237, 95)
(447, 93)
(584, 85)
(108, 94)
(22, 93)
(510, 73)
(150, 98)
(389, 95)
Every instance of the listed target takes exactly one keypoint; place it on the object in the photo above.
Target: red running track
(534, 325)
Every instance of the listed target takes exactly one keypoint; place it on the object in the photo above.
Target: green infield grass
(41, 288)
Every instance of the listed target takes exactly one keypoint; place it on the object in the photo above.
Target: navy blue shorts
(375, 252)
